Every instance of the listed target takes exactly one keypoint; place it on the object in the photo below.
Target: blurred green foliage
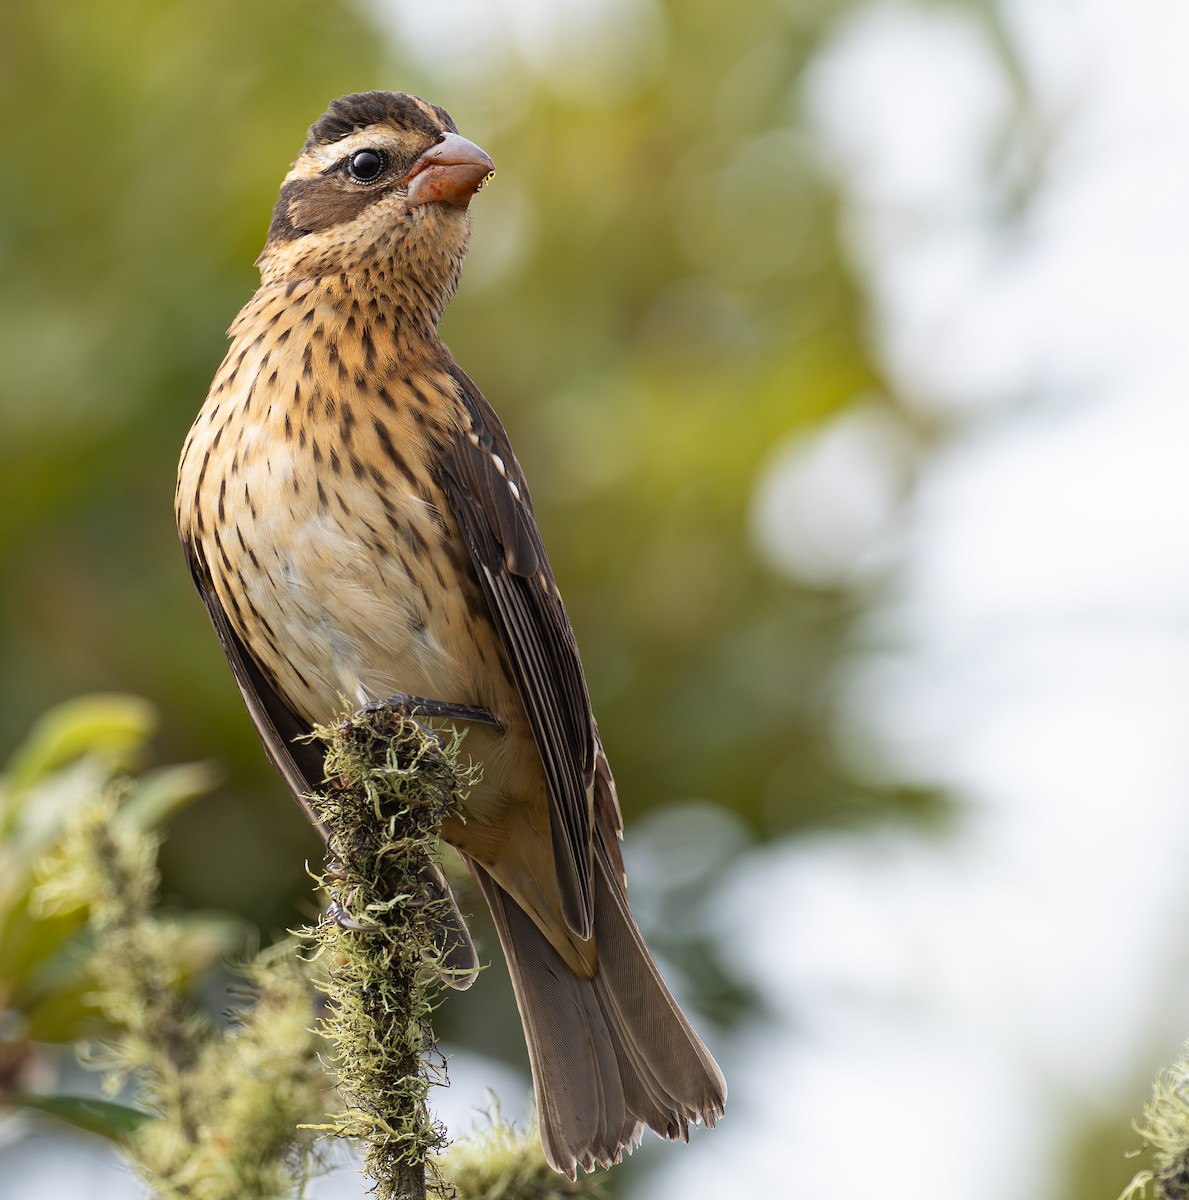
(655, 295)
(83, 750)
(219, 1110)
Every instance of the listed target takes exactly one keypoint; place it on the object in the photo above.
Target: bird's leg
(421, 706)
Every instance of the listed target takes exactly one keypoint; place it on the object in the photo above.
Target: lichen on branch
(1165, 1130)
(390, 784)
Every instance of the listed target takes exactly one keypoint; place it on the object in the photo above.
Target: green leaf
(110, 725)
(159, 794)
(104, 1117)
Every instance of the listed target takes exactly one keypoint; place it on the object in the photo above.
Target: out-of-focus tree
(169, 127)
(656, 295)
(83, 750)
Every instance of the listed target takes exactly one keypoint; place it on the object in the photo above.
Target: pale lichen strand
(1165, 1130)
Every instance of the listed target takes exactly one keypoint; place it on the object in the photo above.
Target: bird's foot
(422, 706)
(339, 915)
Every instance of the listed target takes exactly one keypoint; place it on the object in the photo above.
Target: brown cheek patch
(307, 205)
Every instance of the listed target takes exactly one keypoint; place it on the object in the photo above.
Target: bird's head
(380, 193)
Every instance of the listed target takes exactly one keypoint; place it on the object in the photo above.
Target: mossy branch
(1165, 1130)
(391, 783)
(503, 1163)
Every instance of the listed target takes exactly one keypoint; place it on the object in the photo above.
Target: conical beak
(449, 172)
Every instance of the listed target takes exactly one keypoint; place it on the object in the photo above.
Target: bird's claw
(422, 706)
(340, 916)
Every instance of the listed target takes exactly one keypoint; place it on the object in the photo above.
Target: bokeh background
(844, 345)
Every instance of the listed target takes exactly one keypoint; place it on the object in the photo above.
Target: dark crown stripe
(362, 109)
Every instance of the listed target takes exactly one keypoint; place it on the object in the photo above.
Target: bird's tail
(609, 1054)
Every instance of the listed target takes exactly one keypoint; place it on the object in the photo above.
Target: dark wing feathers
(489, 498)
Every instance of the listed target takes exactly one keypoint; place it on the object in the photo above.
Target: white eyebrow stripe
(314, 161)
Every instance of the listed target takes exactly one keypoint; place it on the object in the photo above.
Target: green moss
(503, 1163)
(391, 783)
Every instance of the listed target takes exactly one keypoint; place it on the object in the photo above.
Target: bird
(359, 528)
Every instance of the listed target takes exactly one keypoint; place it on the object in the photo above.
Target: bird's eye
(365, 165)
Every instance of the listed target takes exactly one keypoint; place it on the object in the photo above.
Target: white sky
(944, 1007)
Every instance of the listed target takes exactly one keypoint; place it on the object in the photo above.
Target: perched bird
(358, 526)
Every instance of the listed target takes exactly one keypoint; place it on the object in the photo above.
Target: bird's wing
(281, 730)
(489, 498)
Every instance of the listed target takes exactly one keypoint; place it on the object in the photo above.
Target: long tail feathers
(611, 1054)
